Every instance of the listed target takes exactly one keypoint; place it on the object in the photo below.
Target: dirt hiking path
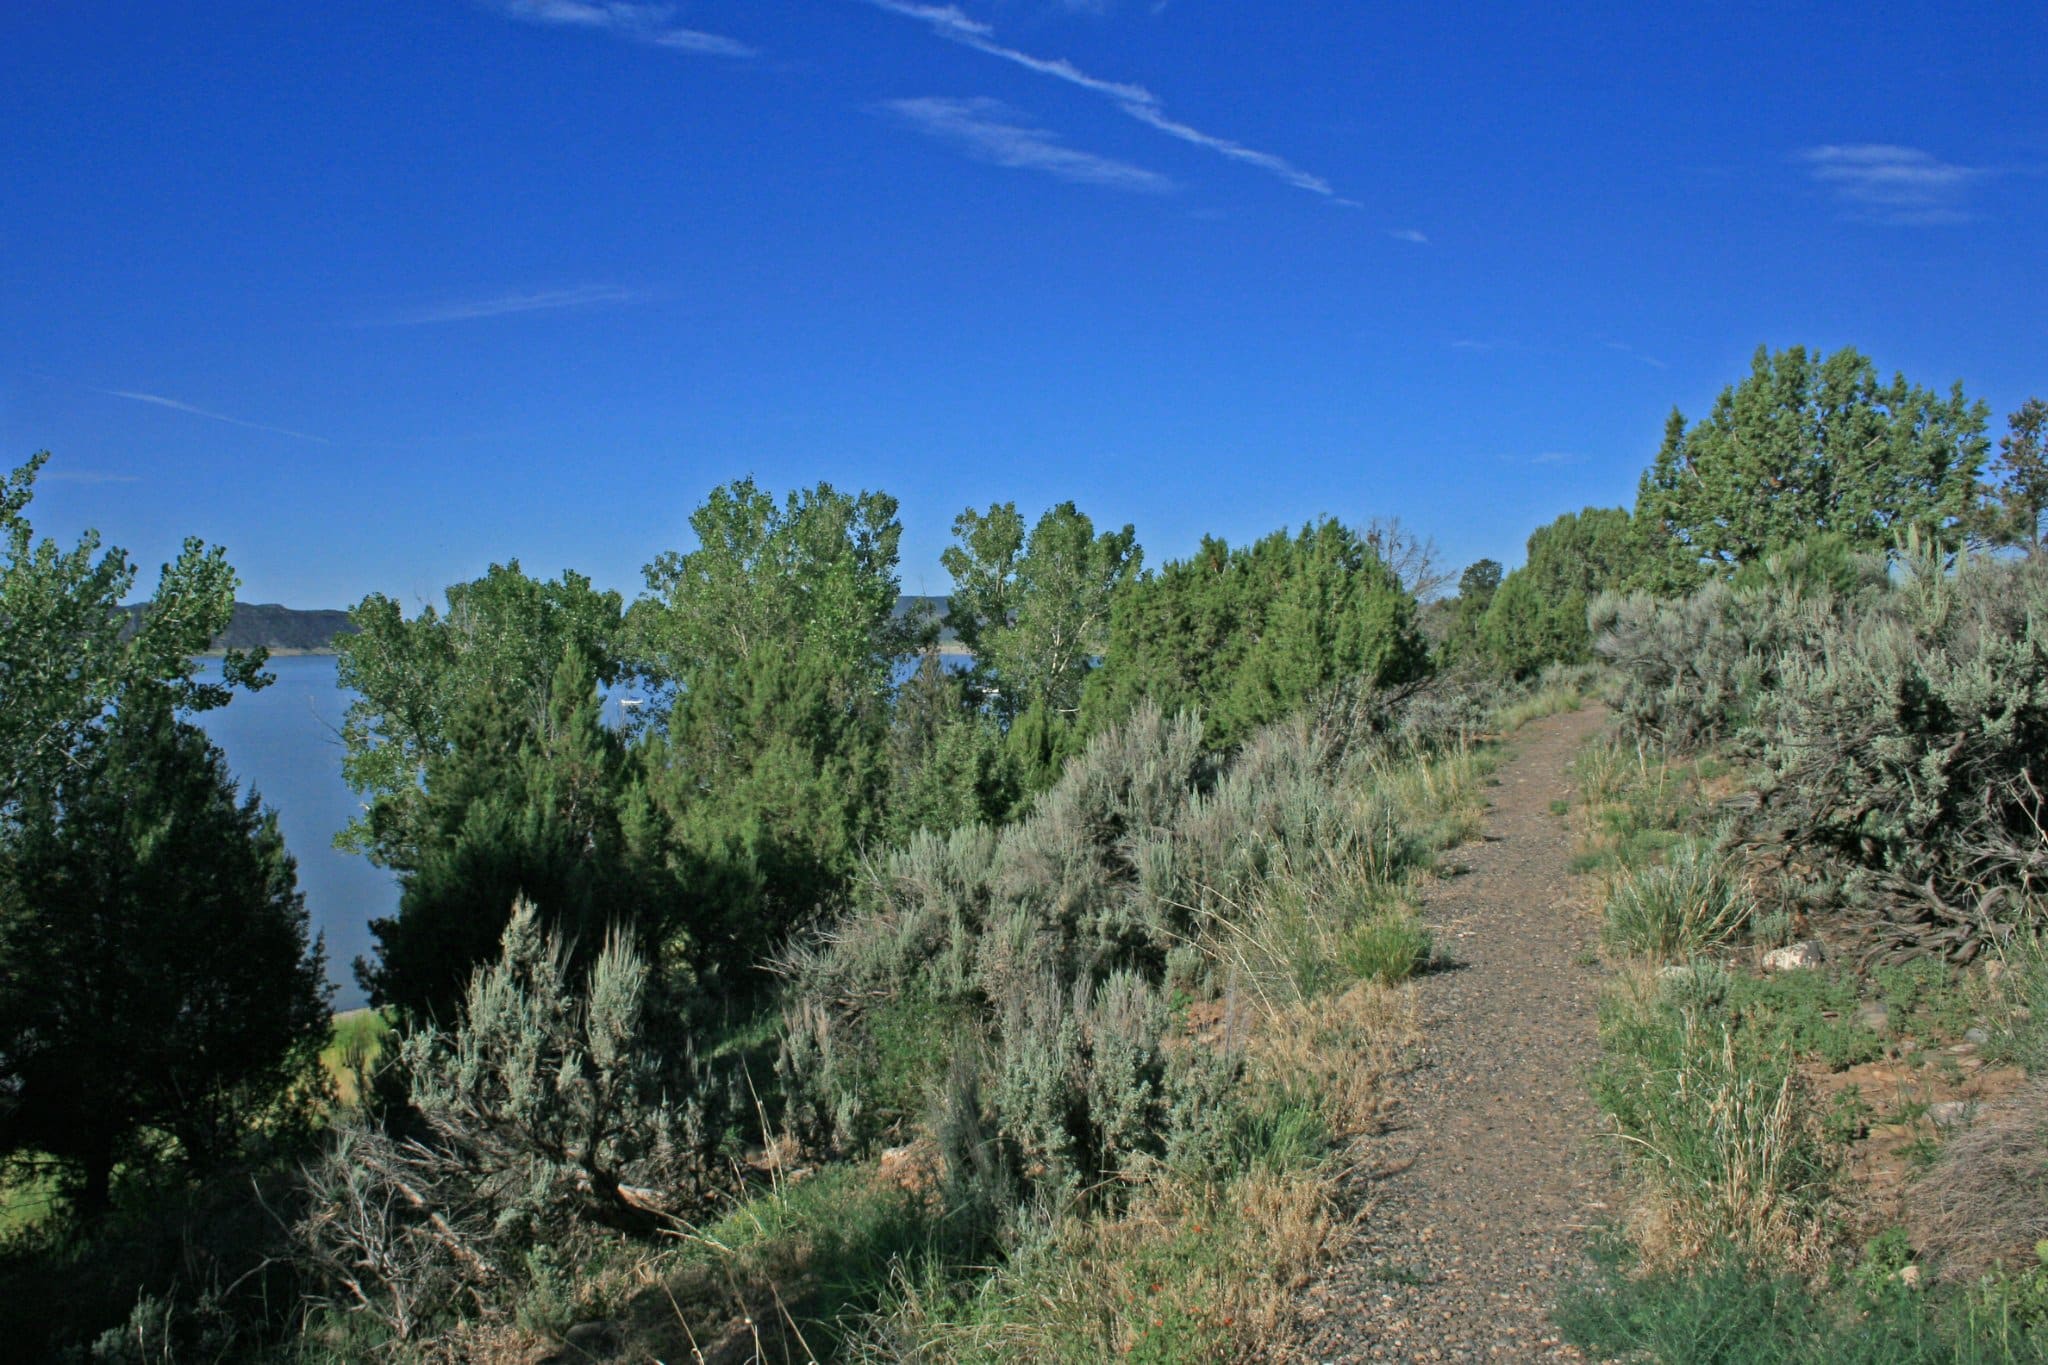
(1480, 1192)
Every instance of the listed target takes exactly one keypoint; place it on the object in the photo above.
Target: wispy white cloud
(1624, 348)
(990, 130)
(500, 305)
(949, 22)
(1893, 184)
(1557, 457)
(1415, 235)
(175, 405)
(640, 23)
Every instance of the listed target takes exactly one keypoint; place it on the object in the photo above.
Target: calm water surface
(285, 743)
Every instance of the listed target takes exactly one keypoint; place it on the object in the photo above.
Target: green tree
(68, 651)
(1811, 444)
(1538, 614)
(1460, 617)
(948, 764)
(156, 982)
(1035, 610)
(556, 813)
(771, 646)
(497, 645)
(2020, 497)
(1247, 635)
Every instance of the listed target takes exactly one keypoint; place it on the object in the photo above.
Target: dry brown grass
(1338, 1047)
(1985, 1201)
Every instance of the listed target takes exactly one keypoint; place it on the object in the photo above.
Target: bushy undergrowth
(1054, 949)
(1153, 1003)
(1725, 1310)
(1898, 723)
(1742, 1240)
(537, 1120)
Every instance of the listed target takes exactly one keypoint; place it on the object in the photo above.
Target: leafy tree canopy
(497, 644)
(772, 644)
(68, 652)
(1813, 443)
(1247, 635)
(2020, 496)
(557, 814)
(1035, 609)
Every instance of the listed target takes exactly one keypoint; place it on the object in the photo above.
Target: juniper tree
(157, 986)
(1247, 635)
(554, 811)
(2021, 494)
(1808, 444)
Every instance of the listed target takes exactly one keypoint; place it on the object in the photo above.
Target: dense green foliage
(949, 764)
(770, 646)
(496, 644)
(558, 814)
(2018, 510)
(1537, 614)
(1246, 636)
(160, 995)
(1814, 443)
(1900, 726)
(1034, 610)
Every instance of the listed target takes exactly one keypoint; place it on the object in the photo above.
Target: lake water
(285, 742)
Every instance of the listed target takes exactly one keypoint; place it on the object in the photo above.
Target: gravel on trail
(1479, 1195)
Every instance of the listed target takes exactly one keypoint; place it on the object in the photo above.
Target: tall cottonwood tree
(771, 647)
(497, 643)
(68, 651)
(1034, 608)
(1808, 444)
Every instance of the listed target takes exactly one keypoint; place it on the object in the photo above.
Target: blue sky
(375, 294)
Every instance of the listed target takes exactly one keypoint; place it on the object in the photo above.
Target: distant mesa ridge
(279, 629)
(289, 630)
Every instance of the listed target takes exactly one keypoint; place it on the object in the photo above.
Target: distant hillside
(288, 630)
(937, 605)
(279, 629)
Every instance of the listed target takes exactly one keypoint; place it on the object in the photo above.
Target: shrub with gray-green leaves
(1031, 972)
(542, 1114)
(1899, 729)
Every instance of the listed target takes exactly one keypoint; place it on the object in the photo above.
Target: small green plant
(1387, 948)
(1692, 902)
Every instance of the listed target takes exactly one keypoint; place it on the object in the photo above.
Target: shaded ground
(1490, 1173)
